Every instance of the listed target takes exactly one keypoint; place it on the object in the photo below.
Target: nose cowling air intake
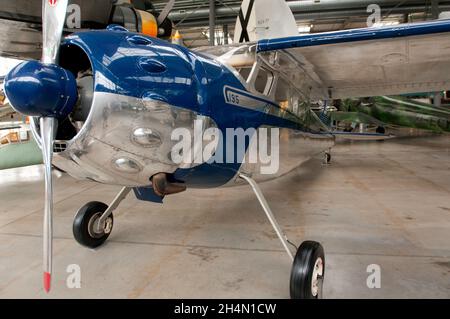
(43, 90)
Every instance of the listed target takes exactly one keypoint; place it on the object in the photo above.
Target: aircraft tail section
(264, 19)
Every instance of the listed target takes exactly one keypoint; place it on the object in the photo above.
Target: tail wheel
(380, 130)
(327, 158)
(308, 271)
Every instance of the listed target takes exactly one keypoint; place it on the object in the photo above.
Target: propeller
(47, 91)
(53, 15)
(165, 12)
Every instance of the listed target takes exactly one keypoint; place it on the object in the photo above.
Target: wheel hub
(317, 277)
(95, 230)
(108, 225)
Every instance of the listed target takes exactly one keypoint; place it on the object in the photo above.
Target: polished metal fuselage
(126, 139)
(108, 136)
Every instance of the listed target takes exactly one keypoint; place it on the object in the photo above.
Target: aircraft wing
(20, 40)
(390, 60)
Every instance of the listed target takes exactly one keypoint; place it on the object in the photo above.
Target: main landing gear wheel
(380, 130)
(327, 158)
(308, 271)
(308, 267)
(85, 225)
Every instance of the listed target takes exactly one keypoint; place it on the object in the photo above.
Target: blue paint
(152, 66)
(147, 194)
(398, 31)
(137, 69)
(37, 89)
(173, 74)
(152, 69)
(264, 102)
(117, 28)
(139, 40)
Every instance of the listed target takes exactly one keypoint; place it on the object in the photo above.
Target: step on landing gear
(308, 268)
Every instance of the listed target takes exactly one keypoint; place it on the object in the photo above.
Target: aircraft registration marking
(244, 99)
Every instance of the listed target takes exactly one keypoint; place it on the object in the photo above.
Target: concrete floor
(378, 203)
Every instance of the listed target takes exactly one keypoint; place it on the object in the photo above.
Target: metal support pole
(225, 34)
(283, 238)
(437, 99)
(435, 9)
(212, 22)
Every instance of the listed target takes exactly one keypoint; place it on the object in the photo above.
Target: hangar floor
(378, 203)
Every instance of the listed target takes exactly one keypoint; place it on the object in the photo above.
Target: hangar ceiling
(192, 16)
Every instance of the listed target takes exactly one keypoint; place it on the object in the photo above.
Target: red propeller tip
(47, 281)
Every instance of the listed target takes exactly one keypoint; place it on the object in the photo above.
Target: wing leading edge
(391, 60)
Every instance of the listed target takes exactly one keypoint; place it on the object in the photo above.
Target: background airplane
(402, 111)
(17, 146)
(21, 22)
(115, 96)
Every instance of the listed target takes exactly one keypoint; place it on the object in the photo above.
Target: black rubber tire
(327, 158)
(381, 130)
(302, 270)
(81, 225)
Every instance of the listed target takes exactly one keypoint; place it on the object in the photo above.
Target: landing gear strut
(327, 157)
(308, 268)
(94, 221)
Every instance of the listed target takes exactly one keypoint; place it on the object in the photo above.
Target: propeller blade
(165, 12)
(53, 18)
(47, 125)
(46, 91)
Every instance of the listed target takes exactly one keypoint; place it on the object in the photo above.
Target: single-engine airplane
(112, 99)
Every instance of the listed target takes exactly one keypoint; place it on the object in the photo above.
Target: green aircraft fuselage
(20, 154)
(403, 112)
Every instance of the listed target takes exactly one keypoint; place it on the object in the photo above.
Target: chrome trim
(146, 137)
(107, 135)
(127, 165)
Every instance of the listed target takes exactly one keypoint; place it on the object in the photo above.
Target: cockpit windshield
(239, 57)
(270, 80)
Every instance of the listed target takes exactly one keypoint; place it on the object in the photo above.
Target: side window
(259, 79)
(244, 72)
(282, 96)
(263, 81)
(291, 105)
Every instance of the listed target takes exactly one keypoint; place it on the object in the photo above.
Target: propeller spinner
(45, 90)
